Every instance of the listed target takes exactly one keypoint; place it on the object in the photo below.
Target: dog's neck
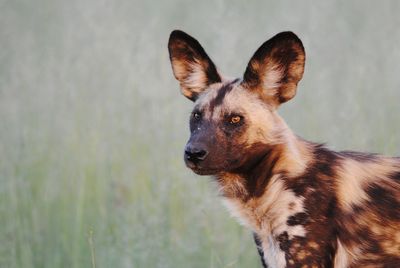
(259, 197)
(287, 159)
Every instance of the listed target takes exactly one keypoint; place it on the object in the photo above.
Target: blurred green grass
(92, 124)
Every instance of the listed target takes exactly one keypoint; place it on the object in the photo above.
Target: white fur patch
(341, 257)
(275, 204)
(267, 216)
(346, 256)
(273, 255)
(196, 78)
(272, 78)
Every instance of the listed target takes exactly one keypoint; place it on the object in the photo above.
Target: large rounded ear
(276, 68)
(191, 65)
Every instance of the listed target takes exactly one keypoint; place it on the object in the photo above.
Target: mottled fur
(307, 206)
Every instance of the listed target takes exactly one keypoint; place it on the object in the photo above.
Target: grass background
(92, 124)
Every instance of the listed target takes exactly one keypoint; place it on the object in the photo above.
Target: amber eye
(235, 119)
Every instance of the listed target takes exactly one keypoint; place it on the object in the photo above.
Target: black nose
(194, 154)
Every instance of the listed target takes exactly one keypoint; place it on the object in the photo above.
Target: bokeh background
(92, 123)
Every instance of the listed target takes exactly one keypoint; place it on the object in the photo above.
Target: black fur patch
(297, 219)
(225, 89)
(396, 176)
(283, 240)
(361, 157)
(317, 188)
(384, 202)
(258, 169)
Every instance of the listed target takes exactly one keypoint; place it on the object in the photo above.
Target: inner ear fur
(191, 65)
(276, 68)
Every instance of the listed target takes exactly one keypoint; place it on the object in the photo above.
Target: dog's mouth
(201, 170)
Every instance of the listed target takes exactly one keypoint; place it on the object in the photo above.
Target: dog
(306, 205)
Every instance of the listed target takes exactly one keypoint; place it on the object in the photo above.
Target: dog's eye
(235, 119)
(196, 115)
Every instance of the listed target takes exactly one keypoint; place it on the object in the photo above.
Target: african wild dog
(306, 205)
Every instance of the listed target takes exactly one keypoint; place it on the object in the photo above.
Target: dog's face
(234, 122)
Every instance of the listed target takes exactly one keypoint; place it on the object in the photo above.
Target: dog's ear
(276, 68)
(191, 65)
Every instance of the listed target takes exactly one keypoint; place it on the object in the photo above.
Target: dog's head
(234, 122)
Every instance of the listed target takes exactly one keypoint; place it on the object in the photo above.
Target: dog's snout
(195, 154)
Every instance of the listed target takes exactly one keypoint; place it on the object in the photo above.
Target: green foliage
(92, 124)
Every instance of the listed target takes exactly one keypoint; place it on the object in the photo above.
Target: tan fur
(232, 186)
(354, 177)
(266, 213)
(387, 233)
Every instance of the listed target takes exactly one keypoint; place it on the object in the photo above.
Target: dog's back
(368, 211)
(342, 211)
(351, 205)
